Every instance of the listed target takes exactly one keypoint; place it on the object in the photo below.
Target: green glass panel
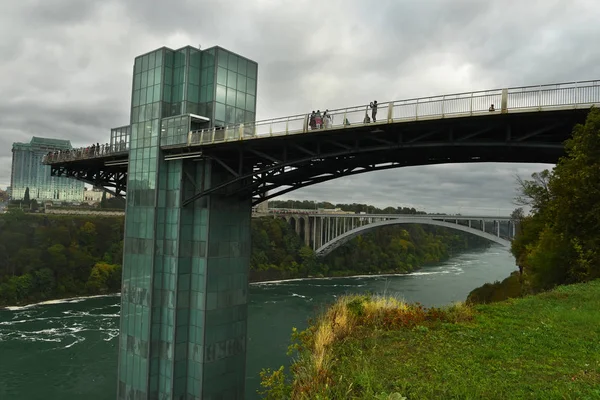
(151, 60)
(194, 76)
(232, 62)
(136, 98)
(221, 94)
(204, 77)
(251, 86)
(143, 96)
(242, 66)
(150, 78)
(222, 58)
(138, 65)
(145, 63)
(241, 83)
(157, 76)
(166, 93)
(144, 81)
(240, 100)
(168, 76)
(240, 116)
(230, 97)
(250, 102)
(159, 58)
(251, 70)
(149, 95)
(156, 96)
(220, 111)
(210, 77)
(230, 115)
(231, 80)
(249, 116)
(222, 76)
(137, 81)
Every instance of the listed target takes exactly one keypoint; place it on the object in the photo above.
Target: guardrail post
(287, 122)
(443, 105)
(504, 101)
(241, 131)
(471, 105)
(417, 110)
(271, 129)
(390, 116)
(540, 98)
(214, 130)
(189, 138)
(576, 95)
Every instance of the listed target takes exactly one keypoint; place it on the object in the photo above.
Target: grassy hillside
(538, 347)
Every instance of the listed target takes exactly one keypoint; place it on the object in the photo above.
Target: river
(67, 349)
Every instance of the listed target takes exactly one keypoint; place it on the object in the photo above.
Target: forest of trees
(559, 242)
(45, 256)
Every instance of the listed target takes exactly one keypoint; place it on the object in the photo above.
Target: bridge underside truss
(111, 178)
(269, 167)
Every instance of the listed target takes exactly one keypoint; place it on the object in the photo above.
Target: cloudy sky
(66, 69)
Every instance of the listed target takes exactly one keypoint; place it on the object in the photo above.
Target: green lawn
(539, 347)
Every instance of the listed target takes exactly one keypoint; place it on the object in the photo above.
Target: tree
(26, 198)
(560, 242)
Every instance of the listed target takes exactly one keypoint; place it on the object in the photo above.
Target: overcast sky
(66, 70)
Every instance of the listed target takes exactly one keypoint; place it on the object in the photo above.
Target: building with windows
(182, 334)
(94, 196)
(29, 172)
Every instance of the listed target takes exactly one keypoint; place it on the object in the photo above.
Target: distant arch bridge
(325, 232)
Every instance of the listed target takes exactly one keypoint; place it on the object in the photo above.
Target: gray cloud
(66, 69)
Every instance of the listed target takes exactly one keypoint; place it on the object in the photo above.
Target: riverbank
(544, 346)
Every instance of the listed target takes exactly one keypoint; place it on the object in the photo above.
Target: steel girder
(268, 167)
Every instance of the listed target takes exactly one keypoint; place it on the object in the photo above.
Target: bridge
(191, 169)
(328, 231)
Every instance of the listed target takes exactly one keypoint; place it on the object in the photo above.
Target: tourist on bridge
(327, 119)
(318, 119)
(312, 121)
(373, 106)
(367, 119)
(492, 108)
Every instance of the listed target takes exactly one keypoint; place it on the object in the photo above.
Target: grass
(538, 347)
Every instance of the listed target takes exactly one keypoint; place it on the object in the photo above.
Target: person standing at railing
(327, 120)
(313, 120)
(373, 106)
(318, 119)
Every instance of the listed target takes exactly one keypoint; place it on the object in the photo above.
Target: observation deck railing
(520, 99)
(561, 96)
(83, 153)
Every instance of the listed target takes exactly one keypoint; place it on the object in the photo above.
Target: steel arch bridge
(326, 232)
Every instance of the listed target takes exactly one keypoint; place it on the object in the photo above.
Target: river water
(64, 350)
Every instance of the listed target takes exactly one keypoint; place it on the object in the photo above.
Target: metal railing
(519, 99)
(89, 152)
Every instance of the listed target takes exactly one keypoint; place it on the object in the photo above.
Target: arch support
(346, 237)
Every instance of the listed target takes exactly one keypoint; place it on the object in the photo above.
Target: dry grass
(312, 371)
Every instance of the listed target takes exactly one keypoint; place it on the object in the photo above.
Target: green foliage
(560, 242)
(509, 288)
(44, 257)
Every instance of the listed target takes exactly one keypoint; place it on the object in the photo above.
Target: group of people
(318, 121)
(94, 150)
